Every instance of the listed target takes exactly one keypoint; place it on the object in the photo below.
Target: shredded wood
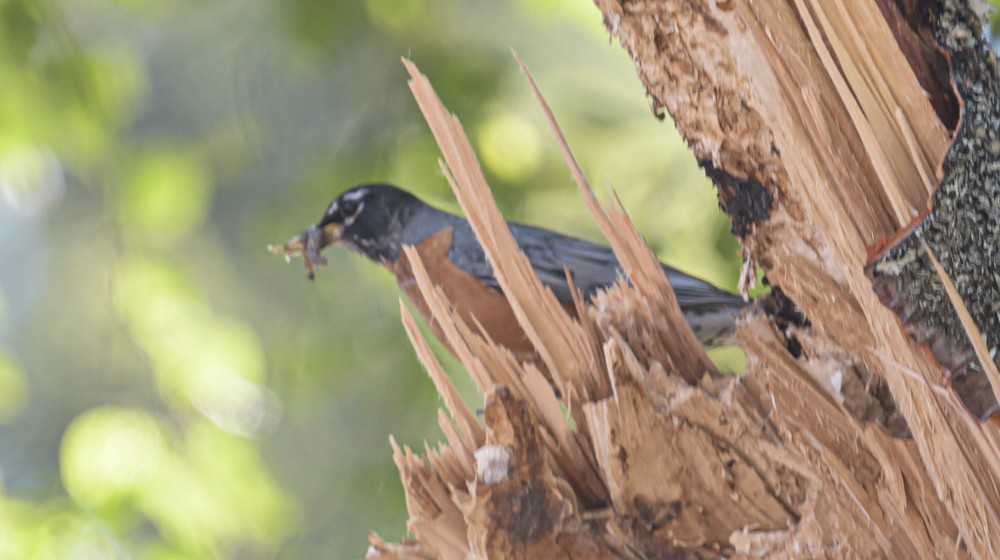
(821, 144)
(638, 261)
(658, 461)
(823, 106)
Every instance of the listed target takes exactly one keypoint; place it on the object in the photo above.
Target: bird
(378, 219)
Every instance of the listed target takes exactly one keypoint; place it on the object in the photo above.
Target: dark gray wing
(593, 267)
(695, 294)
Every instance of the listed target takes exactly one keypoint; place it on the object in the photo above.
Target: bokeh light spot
(202, 361)
(107, 452)
(165, 195)
(70, 535)
(394, 15)
(510, 146)
(584, 15)
(214, 366)
(31, 178)
(216, 489)
(152, 297)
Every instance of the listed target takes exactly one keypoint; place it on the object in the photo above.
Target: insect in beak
(308, 244)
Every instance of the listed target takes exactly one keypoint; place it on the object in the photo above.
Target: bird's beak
(331, 234)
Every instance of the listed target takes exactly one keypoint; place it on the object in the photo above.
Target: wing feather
(593, 267)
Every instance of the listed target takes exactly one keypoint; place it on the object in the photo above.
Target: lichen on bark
(963, 226)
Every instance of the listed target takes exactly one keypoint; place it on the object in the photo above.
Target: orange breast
(470, 298)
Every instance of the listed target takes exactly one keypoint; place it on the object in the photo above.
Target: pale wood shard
(564, 349)
(820, 144)
(470, 432)
(406, 550)
(637, 260)
(877, 477)
(571, 450)
(679, 477)
(435, 520)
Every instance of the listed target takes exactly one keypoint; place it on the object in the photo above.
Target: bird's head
(370, 219)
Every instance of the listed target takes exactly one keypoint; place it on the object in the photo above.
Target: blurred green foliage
(170, 390)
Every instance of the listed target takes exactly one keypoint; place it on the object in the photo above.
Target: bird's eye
(349, 208)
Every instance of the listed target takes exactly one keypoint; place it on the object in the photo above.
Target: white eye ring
(350, 208)
(349, 218)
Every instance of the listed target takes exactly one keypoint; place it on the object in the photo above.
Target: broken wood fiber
(820, 145)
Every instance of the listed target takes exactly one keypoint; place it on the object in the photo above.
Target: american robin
(378, 219)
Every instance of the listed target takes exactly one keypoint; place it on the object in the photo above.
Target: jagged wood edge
(809, 243)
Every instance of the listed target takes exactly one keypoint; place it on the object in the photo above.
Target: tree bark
(850, 141)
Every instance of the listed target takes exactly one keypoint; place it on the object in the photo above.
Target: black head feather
(374, 218)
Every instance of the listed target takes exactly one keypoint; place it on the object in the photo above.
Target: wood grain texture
(851, 136)
(819, 146)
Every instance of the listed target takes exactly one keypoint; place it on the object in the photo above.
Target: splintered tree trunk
(856, 147)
